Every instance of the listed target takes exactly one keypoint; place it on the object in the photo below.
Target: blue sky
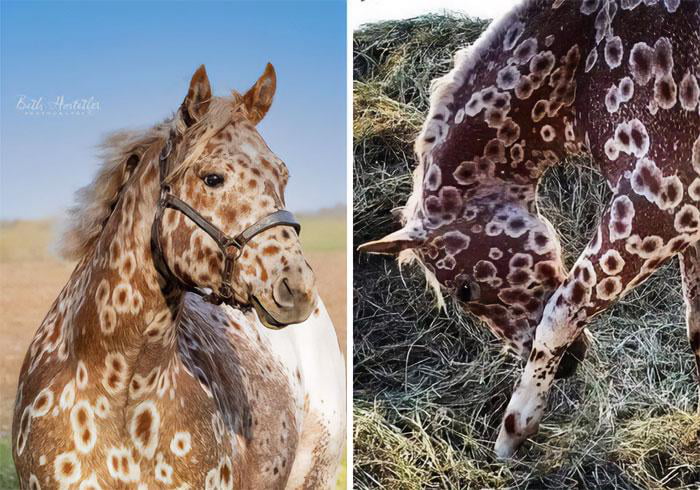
(136, 59)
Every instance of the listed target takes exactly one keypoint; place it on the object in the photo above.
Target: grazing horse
(615, 79)
(152, 368)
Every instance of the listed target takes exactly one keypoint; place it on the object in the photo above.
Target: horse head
(221, 222)
(474, 226)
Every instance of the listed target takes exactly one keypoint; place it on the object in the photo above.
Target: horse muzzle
(285, 305)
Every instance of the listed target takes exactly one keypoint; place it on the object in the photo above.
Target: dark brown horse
(614, 79)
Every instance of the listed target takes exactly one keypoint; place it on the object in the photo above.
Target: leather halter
(231, 247)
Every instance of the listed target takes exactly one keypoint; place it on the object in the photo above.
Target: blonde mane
(96, 201)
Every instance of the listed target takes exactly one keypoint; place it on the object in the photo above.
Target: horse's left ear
(258, 98)
(393, 243)
(196, 103)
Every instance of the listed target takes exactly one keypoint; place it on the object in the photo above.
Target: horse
(164, 361)
(616, 80)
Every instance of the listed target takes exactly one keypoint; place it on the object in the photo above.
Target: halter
(231, 247)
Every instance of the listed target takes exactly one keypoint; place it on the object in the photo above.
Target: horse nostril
(282, 293)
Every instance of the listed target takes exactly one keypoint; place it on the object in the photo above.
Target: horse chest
(215, 419)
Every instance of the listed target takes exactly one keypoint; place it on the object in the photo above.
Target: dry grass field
(430, 386)
(31, 278)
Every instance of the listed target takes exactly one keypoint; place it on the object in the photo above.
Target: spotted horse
(134, 380)
(615, 79)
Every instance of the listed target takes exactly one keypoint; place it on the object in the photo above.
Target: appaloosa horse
(615, 79)
(133, 379)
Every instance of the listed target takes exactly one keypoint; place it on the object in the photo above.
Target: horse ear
(196, 103)
(258, 98)
(393, 243)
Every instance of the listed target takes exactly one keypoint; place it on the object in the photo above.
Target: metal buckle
(163, 201)
(225, 291)
(229, 243)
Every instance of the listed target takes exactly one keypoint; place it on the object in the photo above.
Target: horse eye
(464, 293)
(469, 291)
(213, 180)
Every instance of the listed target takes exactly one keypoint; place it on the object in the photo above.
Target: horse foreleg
(690, 273)
(557, 330)
(620, 257)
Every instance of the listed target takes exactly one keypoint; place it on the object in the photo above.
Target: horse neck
(508, 108)
(123, 308)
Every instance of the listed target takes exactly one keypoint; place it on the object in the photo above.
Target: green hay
(380, 121)
(431, 386)
(653, 445)
(405, 56)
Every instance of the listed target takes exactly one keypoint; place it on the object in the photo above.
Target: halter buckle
(225, 291)
(164, 191)
(231, 247)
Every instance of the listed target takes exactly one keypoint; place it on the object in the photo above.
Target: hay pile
(431, 386)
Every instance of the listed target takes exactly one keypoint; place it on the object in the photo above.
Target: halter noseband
(231, 247)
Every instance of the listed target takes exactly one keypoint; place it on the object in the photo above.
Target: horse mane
(96, 201)
(222, 111)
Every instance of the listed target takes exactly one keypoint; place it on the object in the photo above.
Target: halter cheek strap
(231, 247)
